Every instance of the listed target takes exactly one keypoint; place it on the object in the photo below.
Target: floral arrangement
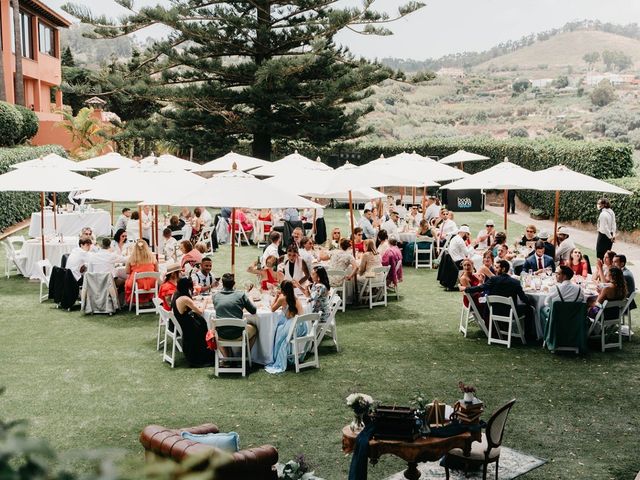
(296, 469)
(360, 403)
(420, 402)
(466, 388)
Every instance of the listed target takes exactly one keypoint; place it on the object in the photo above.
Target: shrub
(16, 206)
(634, 138)
(521, 85)
(615, 130)
(561, 82)
(30, 123)
(10, 125)
(603, 94)
(518, 132)
(572, 134)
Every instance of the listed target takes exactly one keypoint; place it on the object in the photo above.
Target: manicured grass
(96, 381)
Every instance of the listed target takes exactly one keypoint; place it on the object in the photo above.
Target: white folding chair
(242, 343)
(342, 288)
(471, 313)
(15, 260)
(395, 289)
(222, 230)
(260, 236)
(206, 237)
(428, 262)
(626, 318)
(329, 328)
(44, 275)
(174, 335)
(241, 235)
(604, 323)
(441, 250)
(163, 318)
(305, 343)
(515, 325)
(379, 282)
(137, 291)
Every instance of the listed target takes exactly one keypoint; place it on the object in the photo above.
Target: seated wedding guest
(504, 285)
(413, 217)
(273, 249)
(382, 241)
(549, 249)
(356, 239)
(578, 264)
(141, 260)
(105, 260)
(121, 223)
(185, 215)
(119, 242)
(366, 224)
(206, 216)
(370, 259)
(293, 267)
(539, 261)
(225, 212)
(499, 239)
(529, 238)
(408, 248)
(392, 257)
(289, 307)
(147, 223)
(201, 247)
(333, 242)
(504, 253)
(318, 292)
(458, 248)
(620, 261)
(487, 269)
(202, 277)
(79, 258)
(402, 211)
(231, 303)
(342, 259)
(176, 224)
(291, 215)
(615, 289)
(485, 237)
(433, 209)
(197, 224)
(88, 232)
(241, 219)
(391, 225)
(193, 325)
(603, 266)
(469, 279)
(306, 252)
(265, 217)
(563, 291)
(269, 277)
(296, 237)
(190, 255)
(169, 286)
(169, 246)
(133, 226)
(565, 247)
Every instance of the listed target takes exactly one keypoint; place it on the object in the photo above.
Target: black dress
(194, 329)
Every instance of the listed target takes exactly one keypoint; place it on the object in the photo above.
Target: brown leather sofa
(255, 463)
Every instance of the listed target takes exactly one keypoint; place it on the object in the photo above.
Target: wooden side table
(429, 449)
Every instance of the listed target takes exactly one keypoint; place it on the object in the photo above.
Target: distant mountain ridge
(468, 60)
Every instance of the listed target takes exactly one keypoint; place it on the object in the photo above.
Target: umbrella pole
(155, 228)
(42, 223)
(462, 166)
(55, 218)
(506, 205)
(353, 245)
(233, 241)
(112, 216)
(424, 201)
(140, 221)
(313, 225)
(401, 194)
(556, 214)
(413, 193)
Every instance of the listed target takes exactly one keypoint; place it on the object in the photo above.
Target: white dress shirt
(391, 227)
(206, 217)
(77, 258)
(133, 230)
(569, 290)
(458, 249)
(563, 252)
(486, 243)
(607, 223)
(447, 228)
(170, 248)
(270, 251)
(433, 211)
(147, 224)
(367, 227)
(121, 223)
(104, 261)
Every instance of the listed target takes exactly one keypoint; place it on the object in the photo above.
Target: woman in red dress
(468, 279)
(578, 264)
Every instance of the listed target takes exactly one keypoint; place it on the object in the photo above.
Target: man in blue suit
(539, 260)
(504, 285)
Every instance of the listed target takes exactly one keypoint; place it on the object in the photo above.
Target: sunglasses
(531, 231)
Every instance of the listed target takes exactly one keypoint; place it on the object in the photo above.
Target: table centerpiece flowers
(361, 404)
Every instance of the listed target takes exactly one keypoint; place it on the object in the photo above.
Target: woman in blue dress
(318, 292)
(290, 308)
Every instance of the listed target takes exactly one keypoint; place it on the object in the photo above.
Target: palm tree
(3, 90)
(17, 34)
(89, 135)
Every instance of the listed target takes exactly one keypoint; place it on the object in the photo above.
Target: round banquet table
(265, 322)
(407, 237)
(54, 250)
(72, 223)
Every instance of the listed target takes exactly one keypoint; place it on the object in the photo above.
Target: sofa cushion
(229, 442)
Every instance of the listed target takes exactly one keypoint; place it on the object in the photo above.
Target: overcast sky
(450, 26)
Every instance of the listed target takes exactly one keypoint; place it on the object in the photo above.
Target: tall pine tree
(261, 70)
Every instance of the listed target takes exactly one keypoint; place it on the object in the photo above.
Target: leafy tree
(617, 59)
(89, 134)
(591, 58)
(255, 69)
(67, 57)
(521, 85)
(561, 82)
(603, 94)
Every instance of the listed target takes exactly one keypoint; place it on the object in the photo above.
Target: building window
(26, 32)
(46, 38)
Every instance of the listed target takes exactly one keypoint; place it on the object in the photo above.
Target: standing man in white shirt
(121, 223)
(486, 237)
(607, 228)
(458, 249)
(147, 223)
(78, 259)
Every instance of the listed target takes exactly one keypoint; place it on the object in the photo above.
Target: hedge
(581, 206)
(16, 206)
(30, 123)
(10, 124)
(600, 159)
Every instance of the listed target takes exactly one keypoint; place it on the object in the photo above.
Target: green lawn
(96, 381)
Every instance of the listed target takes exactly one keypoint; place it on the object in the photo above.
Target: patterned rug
(512, 465)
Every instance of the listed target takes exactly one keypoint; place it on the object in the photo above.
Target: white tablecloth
(407, 237)
(54, 250)
(73, 223)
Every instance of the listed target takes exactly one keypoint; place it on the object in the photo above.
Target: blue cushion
(229, 442)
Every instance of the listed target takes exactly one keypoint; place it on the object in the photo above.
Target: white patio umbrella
(226, 162)
(43, 178)
(291, 181)
(461, 157)
(292, 161)
(109, 161)
(169, 161)
(503, 176)
(241, 190)
(561, 178)
(55, 161)
(153, 184)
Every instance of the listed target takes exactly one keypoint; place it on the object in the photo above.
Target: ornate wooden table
(429, 449)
